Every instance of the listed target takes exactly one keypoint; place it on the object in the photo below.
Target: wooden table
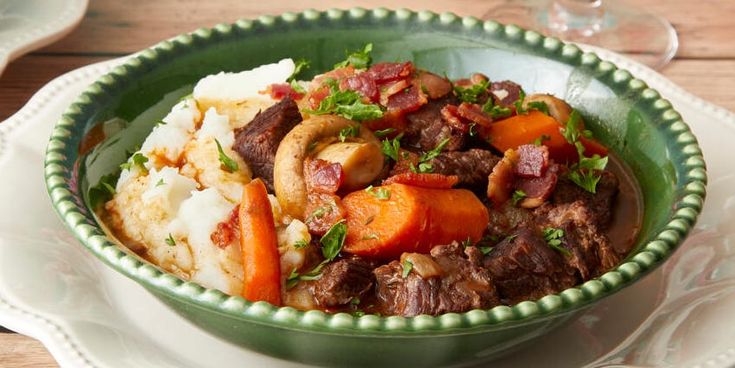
(704, 65)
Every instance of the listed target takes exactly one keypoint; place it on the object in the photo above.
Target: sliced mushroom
(302, 141)
(361, 162)
(558, 108)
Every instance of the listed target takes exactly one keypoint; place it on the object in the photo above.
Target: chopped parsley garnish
(407, 267)
(425, 167)
(318, 213)
(379, 193)
(170, 240)
(384, 132)
(228, 164)
(370, 236)
(160, 122)
(292, 279)
(467, 242)
(355, 301)
(486, 250)
(510, 238)
(391, 147)
(539, 106)
(333, 240)
(553, 237)
(300, 65)
(434, 152)
(297, 87)
(103, 191)
(347, 104)
(300, 244)
(519, 103)
(499, 112)
(136, 160)
(472, 93)
(350, 131)
(160, 182)
(359, 59)
(585, 173)
(518, 195)
(540, 140)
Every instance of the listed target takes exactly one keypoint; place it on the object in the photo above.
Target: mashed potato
(173, 193)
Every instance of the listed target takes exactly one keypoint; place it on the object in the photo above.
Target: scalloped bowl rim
(650, 255)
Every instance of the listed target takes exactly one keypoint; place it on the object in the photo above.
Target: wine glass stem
(576, 18)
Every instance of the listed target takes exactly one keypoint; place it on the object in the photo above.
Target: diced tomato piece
(280, 90)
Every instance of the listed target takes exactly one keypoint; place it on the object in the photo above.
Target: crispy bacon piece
(532, 161)
(450, 115)
(406, 158)
(474, 113)
(336, 74)
(424, 180)
(280, 90)
(539, 189)
(433, 85)
(227, 231)
(387, 72)
(323, 211)
(408, 100)
(322, 176)
(315, 97)
(362, 84)
(391, 89)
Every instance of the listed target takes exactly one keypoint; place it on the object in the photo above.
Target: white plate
(681, 315)
(26, 25)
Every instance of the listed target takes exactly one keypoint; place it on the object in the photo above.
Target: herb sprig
(228, 164)
(347, 104)
(585, 173)
(359, 59)
(553, 237)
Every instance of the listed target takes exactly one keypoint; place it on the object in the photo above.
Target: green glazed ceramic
(640, 126)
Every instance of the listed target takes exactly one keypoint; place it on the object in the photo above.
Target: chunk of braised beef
(524, 267)
(472, 167)
(322, 176)
(426, 128)
(344, 281)
(600, 203)
(591, 253)
(258, 141)
(532, 161)
(505, 92)
(463, 285)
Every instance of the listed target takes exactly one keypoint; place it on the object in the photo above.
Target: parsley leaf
(300, 244)
(347, 104)
(486, 250)
(518, 195)
(103, 191)
(370, 236)
(472, 93)
(467, 242)
(519, 103)
(358, 59)
(539, 106)
(297, 87)
(319, 212)
(407, 267)
(333, 240)
(434, 152)
(136, 160)
(292, 279)
(301, 65)
(499, 112)
(585, 173)
(160, 182)
(384, 132)
(350, 131)
(170, 240)
(391, 147)
(425, 168)
(228, 164)
(379, 193)
(553, 237)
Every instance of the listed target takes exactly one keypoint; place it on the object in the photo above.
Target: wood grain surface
(705, 63)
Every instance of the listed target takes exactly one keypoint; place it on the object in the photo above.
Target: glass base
(620, 27)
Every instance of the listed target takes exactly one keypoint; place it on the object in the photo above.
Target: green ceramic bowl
(640, 126)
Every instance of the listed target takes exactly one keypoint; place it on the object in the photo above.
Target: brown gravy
(627, 214)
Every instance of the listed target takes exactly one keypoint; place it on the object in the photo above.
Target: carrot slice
(259, 246)
(526, 129)
(410, 219)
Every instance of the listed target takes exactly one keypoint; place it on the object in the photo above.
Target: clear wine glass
(614, 25)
